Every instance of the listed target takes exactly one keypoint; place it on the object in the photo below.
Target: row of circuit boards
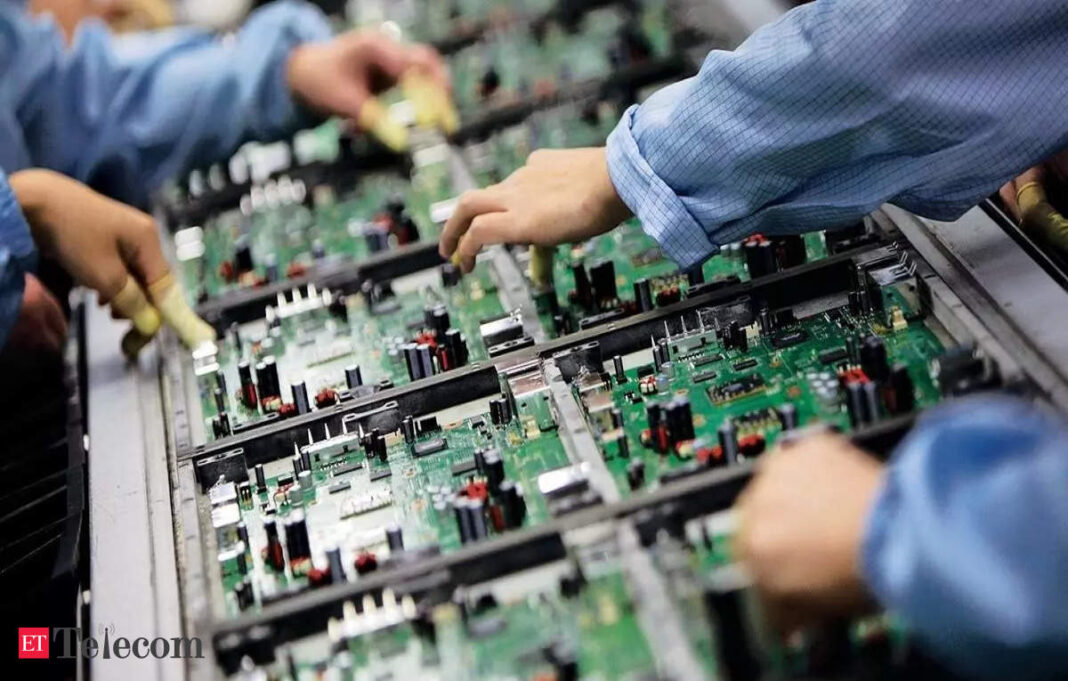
(393, 470)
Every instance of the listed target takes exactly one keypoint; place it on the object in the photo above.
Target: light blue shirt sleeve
(18, 256)
(125, 114)
(841, 106)
(968, 539)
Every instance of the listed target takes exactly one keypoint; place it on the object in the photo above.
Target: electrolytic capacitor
(220, 382)
(728, 441)
(353, 376)
(337, 567)
(479, 529)
(242, 533)
(248, 388)
(726, 608)
(873, 359)
(235, 338)
(408, 428)
(450, 275)
(395, 538)
(426, 360)
(243, 256)
(513, 504)
(739, 338)
(787, 414)
(305, 460)
(270, 372)
(439, 322)
(653, 414)
(454, 350)
(636, 474)
(901, 396)
(297, 537)
(494, 470)
(273, 555)
(695, 275)
(643, 295)
(220, 401)
(871, 402)
(680, 420)
(261, 477)
(856, 404)
(623, 447)
(297, 466)
(617, 366)
(668, 369)
(617, 417)
(300, 397)
(411, 358)
(463, 519)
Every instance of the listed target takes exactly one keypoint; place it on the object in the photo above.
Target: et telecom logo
(33, 643)
(71, 643)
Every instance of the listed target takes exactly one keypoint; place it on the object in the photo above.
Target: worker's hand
(1010, 190)
(559, 196)
(100, 242)
(800, 528)
(40, 326)
(339, 76)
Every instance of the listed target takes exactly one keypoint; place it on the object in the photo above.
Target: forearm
(839, 107)
(967, 541)
(124, 116)
(17, 257)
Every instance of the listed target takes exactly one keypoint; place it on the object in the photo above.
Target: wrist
(611, 203)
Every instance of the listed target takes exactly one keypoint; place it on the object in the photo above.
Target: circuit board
(313, 340)
(284, 229)
(444, 22)
(434, 489)
(513, 63)
(714, 381)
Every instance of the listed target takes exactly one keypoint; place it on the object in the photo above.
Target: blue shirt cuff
(663, 215)
(18, 255)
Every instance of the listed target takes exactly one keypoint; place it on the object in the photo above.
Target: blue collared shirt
(841, 106)
(18, 257)
(126, 114)
(968, 538)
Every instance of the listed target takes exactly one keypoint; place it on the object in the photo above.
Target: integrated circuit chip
(742, 387)
(789, 338)
(434, 446)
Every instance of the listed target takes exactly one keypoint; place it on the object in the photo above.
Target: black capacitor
(494, 470)
(220, 425)
(243, 256)
(261, 477)
(739, 338)
(220, 382)
(561, 324)
(378, 446)
(728, 441)
(377, 239)
(512, 504)
(682, 427)
(873, 359)
(297, 465)
(695, 275)
(603, 276)
(623, 448)
(765, 321)
(297, 537)
(274, 555)
(235, 337)
(408, 428)
(463, 518)
(856, 404)
(426, 360)
(450, 275)
(617, 418)
(636, 474)
(220, 401)
(456, 347)
(395, 538)
(871, 402)
(759, 258)
(305, 459)
(477, 509)
(353, 376)
(654, 413)
(242, 533)
(726, 609)
(243, 592)
(411, 358)
(617, 366)
(439, 322)
(583, 290)
(852, 349)
(271, 372)
(901, 397)
(787, 414)
(248, 388)
(300, 397)
(480, 461)
(791, 250)
(337, 567)
(643, 295)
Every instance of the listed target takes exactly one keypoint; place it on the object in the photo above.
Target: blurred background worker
(123, 115)
(817, 120)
